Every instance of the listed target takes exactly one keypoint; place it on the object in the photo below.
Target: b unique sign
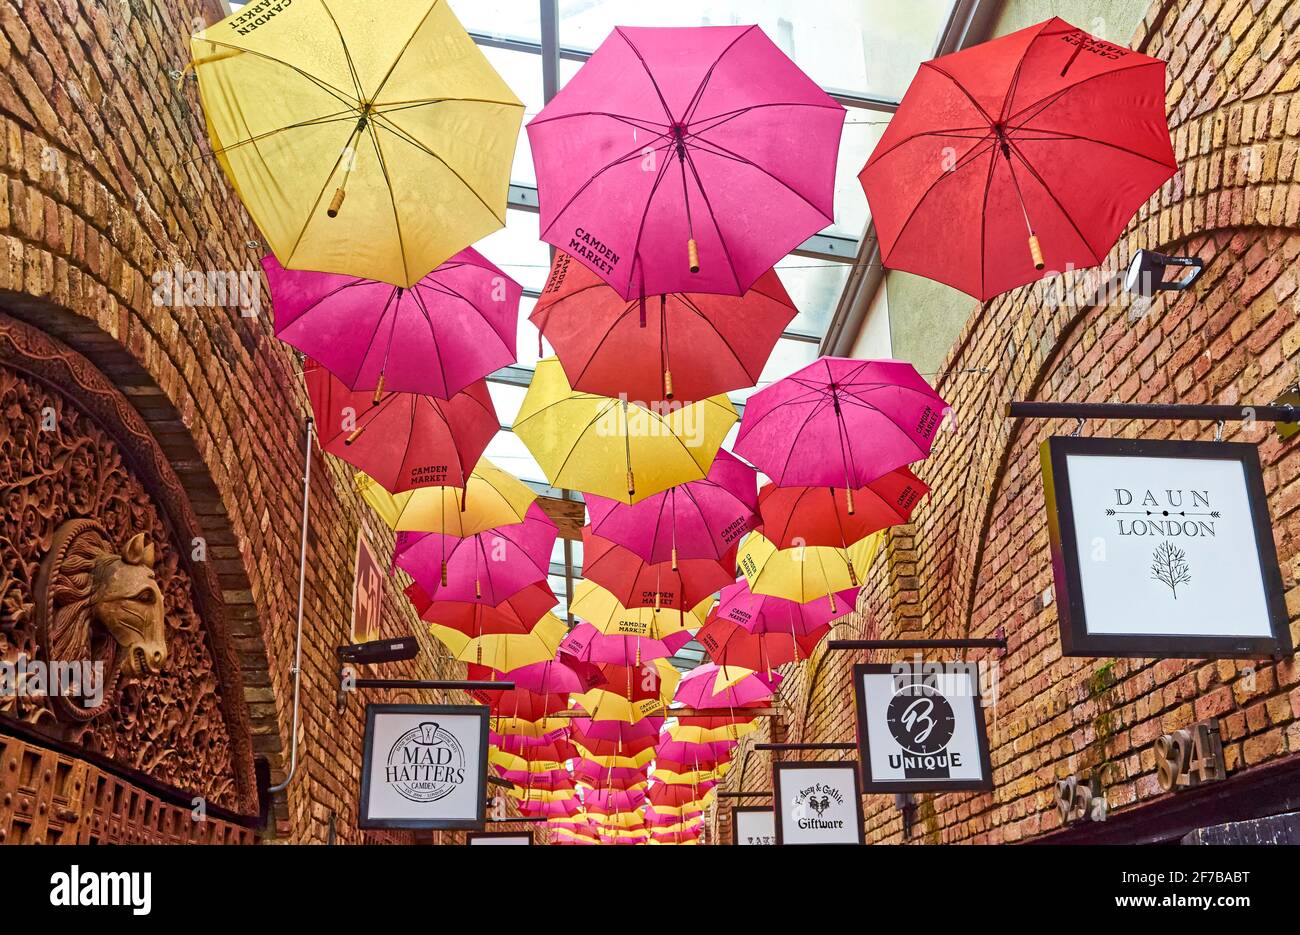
(752, 824)
(1162, 549)
(500, 837)
(817, 803)
(921, 727)
(425, 766)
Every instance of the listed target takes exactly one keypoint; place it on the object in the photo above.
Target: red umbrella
(516, 614)
(521, 704)
(550, 749)
(405, 440)
(616, 738)
(1047, 133)
(637, 583)
(729, 644)
(815, 516)
(562, 675)
(587, 643)
(683, 346)
(677, 794)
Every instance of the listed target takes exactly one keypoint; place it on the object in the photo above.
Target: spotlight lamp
(1146, 274)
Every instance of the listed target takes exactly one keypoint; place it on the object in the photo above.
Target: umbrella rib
(974, 153)
(433, 333)
(724, 153)
(626, 157)
(347, 53)
(1059, 135)
(962, 88)
(686, 300)
(302, 124)
(689, 114)
(320, 83)
(456, 293)
(1056, 201)
(392, 198)
(585, 429)
(640, 230)
(814, 410)
(984, 215)
(383, 82)
(649, 74)
(708, 206)
(954, 132)
(639, 123)
(1055, 96)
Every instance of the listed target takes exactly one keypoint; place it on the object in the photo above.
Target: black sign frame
(735, 824)
(373, 711)
(870, 785)
(473, 836)
(1072, 620)
(778, 767)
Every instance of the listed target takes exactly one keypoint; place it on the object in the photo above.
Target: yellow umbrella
(616, 448)
(689, 733)
(491, 498)
(692, 778)
(636, 761)
(516, 763)
(540, 795)
(603, 705)
(807, 573)
(602, 610)
(519, 727)
(389, 106)
(505, 651)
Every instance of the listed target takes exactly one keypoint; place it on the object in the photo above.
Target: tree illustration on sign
(1169, 565)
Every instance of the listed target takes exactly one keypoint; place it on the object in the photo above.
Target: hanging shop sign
(425, 766)
(1162, 549)
(367, 593)
(1190, 757)
(753, 824)
(817, 802)
(499, 837)
(921, 727)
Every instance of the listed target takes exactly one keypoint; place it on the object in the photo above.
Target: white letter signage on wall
(921, 727)
(752, 824)
(424, 766)
(1162, 549)
(817, 802)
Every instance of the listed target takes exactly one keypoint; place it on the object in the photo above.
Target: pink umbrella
(547, 779)
(554, 808)
(566, 675)
(685, 160)
(486, 568)
(453, 327)
(699, 519)
(840, 423)
(552, 746)
(696, 688)
(591, 773)
(404, 440)
(613, 800)
(585, 729)
(587, 643)
(761, 613)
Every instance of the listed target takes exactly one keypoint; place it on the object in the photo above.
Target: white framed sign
(817, 802)
(1162, 549)
(753, 824)
(495, 838)
(921, 727)
(424, 766)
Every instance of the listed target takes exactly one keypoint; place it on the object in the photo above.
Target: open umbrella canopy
(635, 754)
(603, 611)
(491, 498)
(637, 583)
(699, 519)
(504, 651)
(805, 574)
(1031, 151)
(366, 139)
(518, 613)
(666, 794)
(456, 325)
(521, 704)
(713, 686)
(679, 346)
(729, 644)
(553, 779)
(685, 160)
(795, 516)
(404, 440)
(611, 802)
(704, 754)
(763, 613)
(563, 674)
(840, 423)
(535, 750)
(616, 448)
(629, 694)
(542, 727)
(587, 643)
(489, 567)
(616, 737)
(590, 773)
(710, 728)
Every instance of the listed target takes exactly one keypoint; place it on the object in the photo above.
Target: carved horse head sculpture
(100, 605)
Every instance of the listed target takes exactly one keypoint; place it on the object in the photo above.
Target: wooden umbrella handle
(693, 253)
(337, 202)
(1036, 251)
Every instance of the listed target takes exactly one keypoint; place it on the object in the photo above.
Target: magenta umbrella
(590, 773)
(563, 675)
(700, 519)
(553, 808)
(840, 423)
(486, 568)
(762, 613)
(697, 688)
(616, 731)
(613, 800)
(587, 643)
(685, 160)
(683, 751)
(454, 326)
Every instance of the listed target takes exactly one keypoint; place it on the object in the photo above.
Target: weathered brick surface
(103, 181)
(976, 558)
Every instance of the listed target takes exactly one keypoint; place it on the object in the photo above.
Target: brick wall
(103, 182)
(976, 557)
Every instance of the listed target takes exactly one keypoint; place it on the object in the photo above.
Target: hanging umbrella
(552, 780)
(705, 754)
(1048, 134)
(796, 516)
(630, 694)
(636, 583)
(702, 778)
(763, 613)
(805, 574)
(840, 423)
(617, 738)
(405, 440)
(685, 160)
(729, 644)
(699, 519)
(562, 674)
(528, 749)
(488, 567)
(603, 611)
(518, 613)
(635, 755)
(363, 139)
(611, 802)
(613, 447)
(565, 807)
(677, 795)
(712, 686)
(491, 498)
(679, 346)
(712, 727)
(521, 704)
(521, 726)
(504, 651)
(590, 773)
(587, 643)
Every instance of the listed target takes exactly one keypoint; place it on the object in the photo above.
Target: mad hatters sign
(753, 824)
(1162, 548)
(817, 802)
(921, 727)
(425, 766)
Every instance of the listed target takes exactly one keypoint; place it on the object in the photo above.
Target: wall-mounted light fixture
(1146, 274)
